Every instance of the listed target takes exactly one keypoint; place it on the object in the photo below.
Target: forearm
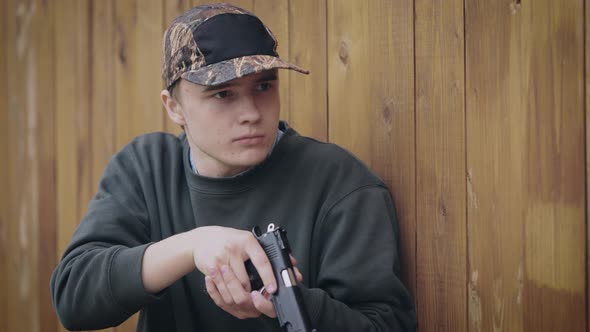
(166, 261)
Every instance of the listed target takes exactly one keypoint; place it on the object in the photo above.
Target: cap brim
(221, 72)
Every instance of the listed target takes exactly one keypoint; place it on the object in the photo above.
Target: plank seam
(291, 57)
(468, 261)
(89, 102)
(415, 272)
(163, 27)
(327, 71)
(585, 91)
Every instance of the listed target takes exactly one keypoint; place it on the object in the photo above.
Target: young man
(169, 230)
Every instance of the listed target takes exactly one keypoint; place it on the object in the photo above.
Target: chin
(252, 158)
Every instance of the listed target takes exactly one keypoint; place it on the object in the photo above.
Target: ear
(173, 108)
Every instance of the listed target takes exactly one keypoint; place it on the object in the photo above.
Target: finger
(221, 287)
(213, 292)
(263, 305)
(238, 267)
(262, 264)
(298, 275)
(235, 289)
(265, 294)
(231, 309)
(293, 260)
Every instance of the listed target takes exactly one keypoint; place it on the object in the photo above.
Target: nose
(249, 110)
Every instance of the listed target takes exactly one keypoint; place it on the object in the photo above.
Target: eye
(222, 94)
(264, 86)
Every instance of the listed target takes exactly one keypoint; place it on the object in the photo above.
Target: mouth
(249, 139)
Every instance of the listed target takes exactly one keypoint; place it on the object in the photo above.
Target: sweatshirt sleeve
(358, 286)
(98, 281)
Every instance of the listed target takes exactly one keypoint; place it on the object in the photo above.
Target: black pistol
(287, 300)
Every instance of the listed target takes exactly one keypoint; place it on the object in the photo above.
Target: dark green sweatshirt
(338, 215)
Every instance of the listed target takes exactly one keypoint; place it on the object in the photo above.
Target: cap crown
(190, 43)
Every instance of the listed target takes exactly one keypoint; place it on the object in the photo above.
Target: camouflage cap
(216, 43)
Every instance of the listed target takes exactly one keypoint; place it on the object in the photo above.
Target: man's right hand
(219, 253)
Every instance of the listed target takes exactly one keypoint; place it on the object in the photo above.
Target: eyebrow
(264, 78)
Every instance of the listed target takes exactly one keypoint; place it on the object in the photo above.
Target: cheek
(271, 104)
(208, 129)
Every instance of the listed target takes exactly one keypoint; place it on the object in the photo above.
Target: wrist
(188, 242)
(166, 261)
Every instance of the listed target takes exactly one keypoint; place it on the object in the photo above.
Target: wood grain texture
(5, 170)
(148, 112)
(43, 187)
(587, 133)
(440, 166)
(15, 118)
(525, 159)
(103, 94)
(31, 111)
(125, 71)
(172, 9)
(308, 98)
(371, 104)
(73, 131)
(138, 39)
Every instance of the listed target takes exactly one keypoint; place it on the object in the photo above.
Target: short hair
(173, 90)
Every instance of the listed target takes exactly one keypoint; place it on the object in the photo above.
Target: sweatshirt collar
(243, 182)
(193, 165)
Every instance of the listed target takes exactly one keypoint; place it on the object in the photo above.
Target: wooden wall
(472, 111)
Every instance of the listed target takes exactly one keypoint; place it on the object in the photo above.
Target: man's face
(232, 126)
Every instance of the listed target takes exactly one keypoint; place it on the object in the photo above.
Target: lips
(250, 139)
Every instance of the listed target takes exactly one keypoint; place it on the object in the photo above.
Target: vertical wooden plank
(125, 70)
(74, 187)
(4, 170)
(308, 102)
(350, 108)
(44, 178)
(587, 133)
(525, 159)
(15, 118)
(103, 94)
(440, 166)
(31, 110)
(493, 122)
(171, 10)
(138, 83)
(149, 109)
(371, 100)
(73, 131)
